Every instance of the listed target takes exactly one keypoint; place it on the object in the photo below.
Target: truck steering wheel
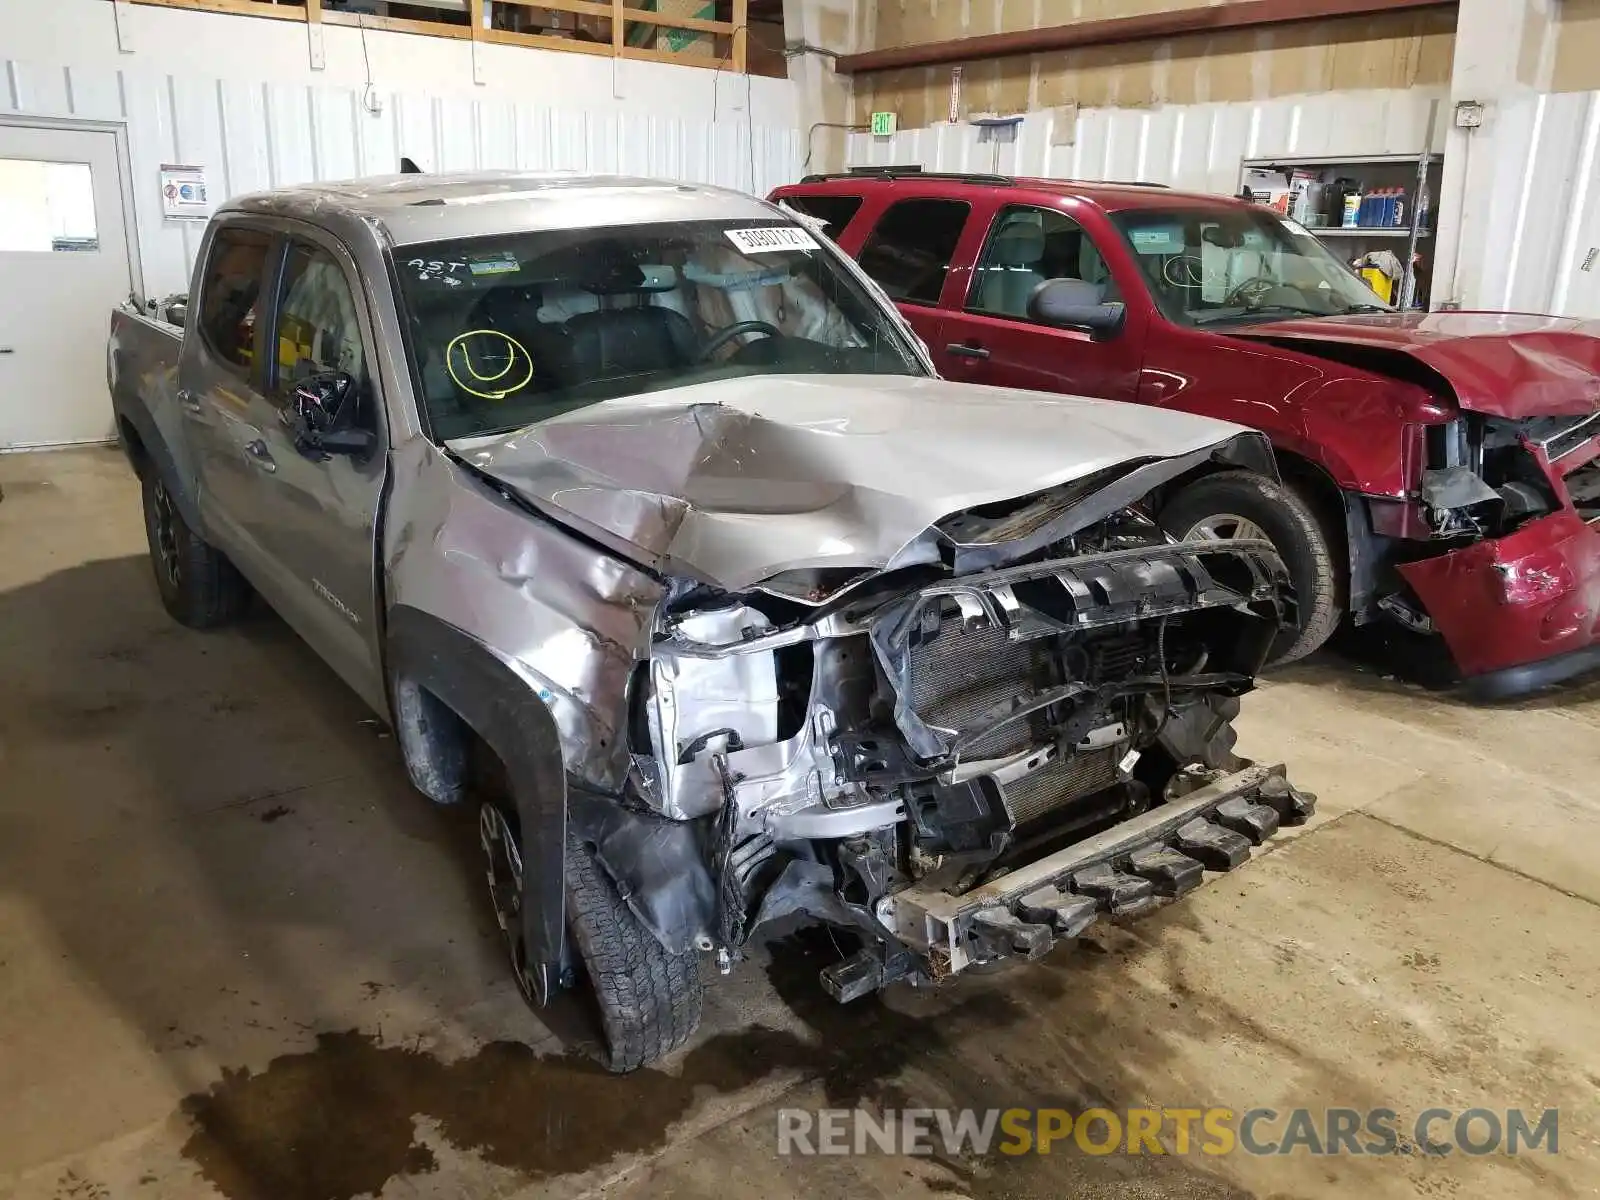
(727, 333)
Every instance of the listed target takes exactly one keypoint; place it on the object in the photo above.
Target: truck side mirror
(320, 416)
(1076, 304)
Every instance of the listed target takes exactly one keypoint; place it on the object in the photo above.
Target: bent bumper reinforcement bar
(1160, 854)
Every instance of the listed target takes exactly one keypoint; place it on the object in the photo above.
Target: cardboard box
(689, 43)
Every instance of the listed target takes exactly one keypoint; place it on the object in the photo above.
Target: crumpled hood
(1514, 365)
(737, 480)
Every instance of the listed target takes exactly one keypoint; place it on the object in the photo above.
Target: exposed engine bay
(924, 734)
(1487, 478)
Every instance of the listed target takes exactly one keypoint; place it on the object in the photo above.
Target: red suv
(1447, 465)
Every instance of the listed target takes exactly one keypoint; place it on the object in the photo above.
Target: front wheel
(647, 998)
(1244, 505)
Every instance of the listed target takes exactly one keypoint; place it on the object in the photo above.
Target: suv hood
(1514, 365)
(738, 480)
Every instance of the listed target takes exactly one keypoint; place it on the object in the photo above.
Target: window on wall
(909, 252)
(317, 326)
(1025, 247)
(230, 298)
(46, 207)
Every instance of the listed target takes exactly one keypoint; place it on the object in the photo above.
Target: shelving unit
(1311, 189)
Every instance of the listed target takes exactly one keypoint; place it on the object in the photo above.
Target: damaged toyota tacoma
(640, 514)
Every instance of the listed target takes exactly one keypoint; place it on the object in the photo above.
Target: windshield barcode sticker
(771, 238)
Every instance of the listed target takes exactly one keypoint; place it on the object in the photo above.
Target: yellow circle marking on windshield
(480, 378)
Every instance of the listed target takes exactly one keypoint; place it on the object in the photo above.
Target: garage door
(64, 259)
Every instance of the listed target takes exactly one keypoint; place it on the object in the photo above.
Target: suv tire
(199, 587)
(1220, 505)
(649, 998)
(645, 999)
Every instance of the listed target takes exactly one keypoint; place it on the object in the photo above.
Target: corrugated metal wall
(258, 135)
(1543, 249)
(1194, 146)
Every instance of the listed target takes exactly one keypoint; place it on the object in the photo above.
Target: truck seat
(613, 342)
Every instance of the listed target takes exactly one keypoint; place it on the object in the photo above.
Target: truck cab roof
(414, 208)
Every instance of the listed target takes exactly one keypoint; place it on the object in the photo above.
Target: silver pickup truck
(642, 517)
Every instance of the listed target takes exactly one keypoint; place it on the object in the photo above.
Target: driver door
(991, 339)
(315, 517)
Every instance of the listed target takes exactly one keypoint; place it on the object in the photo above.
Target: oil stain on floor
(338, 1121)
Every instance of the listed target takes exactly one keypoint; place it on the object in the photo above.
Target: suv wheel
(1244, 505)
(648, 999)
(199, 586)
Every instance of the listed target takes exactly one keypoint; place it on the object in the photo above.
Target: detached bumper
(1519, 612)
(1132, 867)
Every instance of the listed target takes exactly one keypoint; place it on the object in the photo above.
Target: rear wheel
(199, 586)
(1244, 505)
(647, 999)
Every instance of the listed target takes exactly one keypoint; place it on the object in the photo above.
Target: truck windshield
(1229, 265)
(507, 331)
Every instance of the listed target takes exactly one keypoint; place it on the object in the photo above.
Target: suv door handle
(189, 400)
(260, 455)
(966, 350)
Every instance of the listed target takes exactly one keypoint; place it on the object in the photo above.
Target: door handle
(189, 400)
(964, 350)
(260, 455)
(7, 350)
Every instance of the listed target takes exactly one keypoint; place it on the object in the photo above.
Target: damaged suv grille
(978, 661)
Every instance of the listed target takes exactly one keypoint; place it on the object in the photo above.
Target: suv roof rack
(910, 171)
(913, 171)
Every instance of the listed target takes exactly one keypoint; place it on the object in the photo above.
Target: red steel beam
(1208, 18)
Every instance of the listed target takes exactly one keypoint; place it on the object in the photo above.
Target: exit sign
(884, 124)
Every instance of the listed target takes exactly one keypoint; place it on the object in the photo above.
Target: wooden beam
(394, 24)
(1205, 18)
(235, 8)
(618, 26)
(584, 8)
(741, 34)
(644, 17)
(677, 59)
(545, 41)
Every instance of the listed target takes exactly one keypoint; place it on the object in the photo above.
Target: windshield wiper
(1364, 308)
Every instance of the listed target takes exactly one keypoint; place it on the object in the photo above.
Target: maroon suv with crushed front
(1447, 464)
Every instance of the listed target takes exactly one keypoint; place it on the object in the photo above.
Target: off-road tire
(199, 587)
(649, 999)
(1295, 532)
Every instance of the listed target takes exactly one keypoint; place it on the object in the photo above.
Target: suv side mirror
(319, 415)
(1075, 304)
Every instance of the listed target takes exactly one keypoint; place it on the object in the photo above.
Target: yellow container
(1379, 283)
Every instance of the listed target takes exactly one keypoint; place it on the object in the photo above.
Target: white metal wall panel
(1544, 217)
(252, 135)
(1195, 146)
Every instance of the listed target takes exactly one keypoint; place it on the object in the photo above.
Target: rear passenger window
(910, 250)
(835, 212)
(230, 299)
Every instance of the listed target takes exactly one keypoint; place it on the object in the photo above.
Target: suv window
(317, 326)
(231, 297)
(835, 212)
(1027, 246)
(910, 250)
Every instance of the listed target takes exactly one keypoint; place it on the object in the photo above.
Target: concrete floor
(239, 957)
